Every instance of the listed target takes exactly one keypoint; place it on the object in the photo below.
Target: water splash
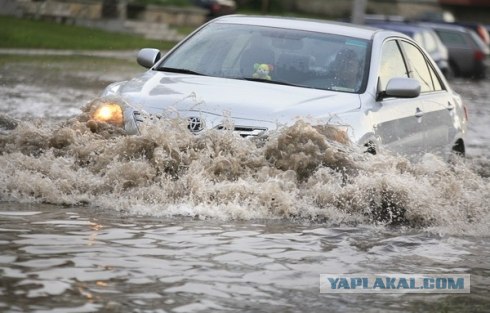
(300, 172)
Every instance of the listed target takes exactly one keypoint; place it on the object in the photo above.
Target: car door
(397, 121)
(437, 105)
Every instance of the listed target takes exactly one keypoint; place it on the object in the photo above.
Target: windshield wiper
(179, 70)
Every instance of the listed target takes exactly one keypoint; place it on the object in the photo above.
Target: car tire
(482, 74)
(459, 148)
(370, 148)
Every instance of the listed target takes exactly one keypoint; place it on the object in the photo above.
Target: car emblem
(195, 124)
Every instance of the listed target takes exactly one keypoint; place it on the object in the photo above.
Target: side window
(418, 67)
(392, 63)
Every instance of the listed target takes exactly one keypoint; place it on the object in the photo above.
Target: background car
(424, 36)
(479, 29)
(217, 7)
(447, 18)
(253, 75)
(468, 54)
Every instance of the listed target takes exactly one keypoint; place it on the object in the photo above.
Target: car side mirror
(401, 87)
(147, 57)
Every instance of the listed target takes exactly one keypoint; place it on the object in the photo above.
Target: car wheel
(370, 148)
(457, 153)
(481, 75)
(458, 148)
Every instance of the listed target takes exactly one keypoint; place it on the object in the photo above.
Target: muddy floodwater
(171, 222)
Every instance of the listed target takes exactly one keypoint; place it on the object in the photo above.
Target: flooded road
(174, 223)
(91, 260)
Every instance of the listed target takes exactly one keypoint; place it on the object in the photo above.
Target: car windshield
(273, 55)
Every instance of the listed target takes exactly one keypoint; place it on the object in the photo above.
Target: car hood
(157, 92)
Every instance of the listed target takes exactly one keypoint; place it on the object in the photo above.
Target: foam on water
(300, 172)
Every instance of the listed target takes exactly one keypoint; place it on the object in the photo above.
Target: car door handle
(450, 106)
(419, 113)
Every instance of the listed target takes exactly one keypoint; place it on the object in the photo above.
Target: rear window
(452, 39)
(478, 42)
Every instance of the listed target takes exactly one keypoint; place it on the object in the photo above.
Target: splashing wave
(300, 172)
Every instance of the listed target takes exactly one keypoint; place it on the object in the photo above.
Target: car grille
(245, 131)
(196, 126)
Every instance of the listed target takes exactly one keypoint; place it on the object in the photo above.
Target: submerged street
(174, 223)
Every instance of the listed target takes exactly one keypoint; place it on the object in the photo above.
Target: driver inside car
(345, 69)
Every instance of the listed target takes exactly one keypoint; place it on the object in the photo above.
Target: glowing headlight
(111, 113)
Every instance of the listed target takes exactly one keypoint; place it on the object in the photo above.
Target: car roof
(351, 30)
(445, 26)
(400, 26)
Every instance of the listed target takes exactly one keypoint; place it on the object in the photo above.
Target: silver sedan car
(257, 74)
